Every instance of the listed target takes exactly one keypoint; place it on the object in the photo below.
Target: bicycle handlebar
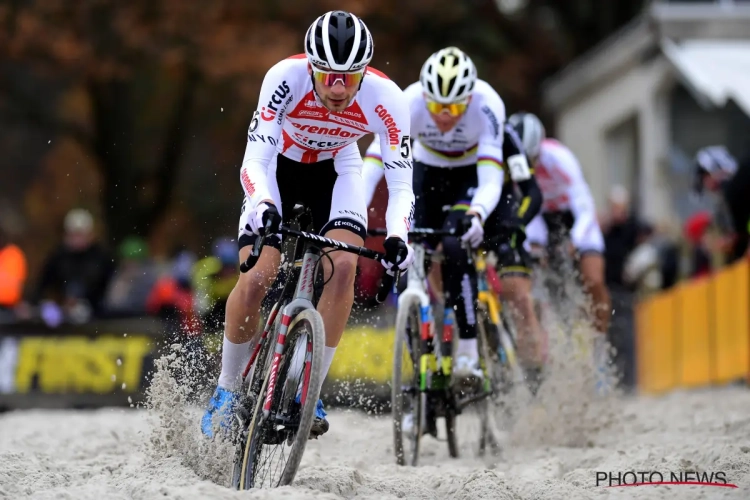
(385, 285)
(417, 231)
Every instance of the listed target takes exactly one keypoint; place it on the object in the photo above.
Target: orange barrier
(696, 334)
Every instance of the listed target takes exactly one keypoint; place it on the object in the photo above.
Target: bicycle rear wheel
(284, 432)
(406, 396)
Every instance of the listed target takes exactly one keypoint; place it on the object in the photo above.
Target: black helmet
(713, 161)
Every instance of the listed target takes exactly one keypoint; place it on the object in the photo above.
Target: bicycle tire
(501, 373)
(251, 390)
(402, 333)
(487, 357)
(311, 319)
(480, 407)
(450, 432)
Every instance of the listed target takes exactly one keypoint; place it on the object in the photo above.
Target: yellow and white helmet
(448, 76)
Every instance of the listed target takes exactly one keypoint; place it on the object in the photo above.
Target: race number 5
(253, 123)
(405, 147)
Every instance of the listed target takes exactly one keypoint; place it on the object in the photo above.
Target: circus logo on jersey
(270, 110)
(390, 125)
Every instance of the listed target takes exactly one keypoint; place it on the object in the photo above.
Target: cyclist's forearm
(372, 173)
(400, 212)
(489, 189)
(254, 182)
(532, 200)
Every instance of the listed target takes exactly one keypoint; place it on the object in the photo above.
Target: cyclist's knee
(344, 271)
(517, 291)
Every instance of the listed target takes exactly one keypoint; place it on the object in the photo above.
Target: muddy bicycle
(422, 389)
(282, 380)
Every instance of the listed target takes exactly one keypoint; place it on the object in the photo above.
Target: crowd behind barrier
(87, 332)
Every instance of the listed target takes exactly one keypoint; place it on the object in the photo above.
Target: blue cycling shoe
(320, 424)
(222, 403)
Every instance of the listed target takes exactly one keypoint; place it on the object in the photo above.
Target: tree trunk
(114, 123)
(129, 209)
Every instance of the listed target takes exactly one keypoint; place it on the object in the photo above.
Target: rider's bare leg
(335, 303)
(242, 314)
(592, 271)
(435, 276)
(517, 294)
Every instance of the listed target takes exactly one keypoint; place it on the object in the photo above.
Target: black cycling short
(311, 185)
(513, 259)
(437, 190)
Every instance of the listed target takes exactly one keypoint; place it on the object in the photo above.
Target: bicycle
(428, 392)
(494, 326)
(275, 408)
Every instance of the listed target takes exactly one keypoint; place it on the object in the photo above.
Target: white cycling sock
(468, 347)
(234, 358)
(328, 354)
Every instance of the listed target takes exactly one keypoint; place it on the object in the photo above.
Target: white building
(636, 108)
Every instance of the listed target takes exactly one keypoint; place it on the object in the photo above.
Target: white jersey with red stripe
(476, 140)
(291, 121)
(565, 189)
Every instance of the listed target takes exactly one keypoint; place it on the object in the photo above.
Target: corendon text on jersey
(390, 123)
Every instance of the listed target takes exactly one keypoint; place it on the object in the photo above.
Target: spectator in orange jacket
(13, 272)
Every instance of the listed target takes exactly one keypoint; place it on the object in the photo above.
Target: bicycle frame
(302, 299)
(488, 299)
(303, 273)
(416, 291)
(485, 295)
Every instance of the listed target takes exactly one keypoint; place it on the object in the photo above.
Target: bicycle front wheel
(276, 442)
(407, 400)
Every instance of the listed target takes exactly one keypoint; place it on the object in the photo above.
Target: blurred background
(124, 123)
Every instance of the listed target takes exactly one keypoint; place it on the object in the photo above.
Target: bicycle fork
(436, 359)
(303, 299)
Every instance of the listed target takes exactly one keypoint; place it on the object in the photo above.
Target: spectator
(620, 235)
(719, 173)
(133, 279)
(669, 256)
(620, 239)
(214, 278)
(171, 299)
(77, 273)
(695, 231)
(643, 266)
(13, 273)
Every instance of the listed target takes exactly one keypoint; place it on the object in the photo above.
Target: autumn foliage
(137, 109)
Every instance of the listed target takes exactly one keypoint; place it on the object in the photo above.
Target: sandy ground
(122, 453)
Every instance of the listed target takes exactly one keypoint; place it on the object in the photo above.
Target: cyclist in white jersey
(302, 149)
(461, 145)
(568, 209)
